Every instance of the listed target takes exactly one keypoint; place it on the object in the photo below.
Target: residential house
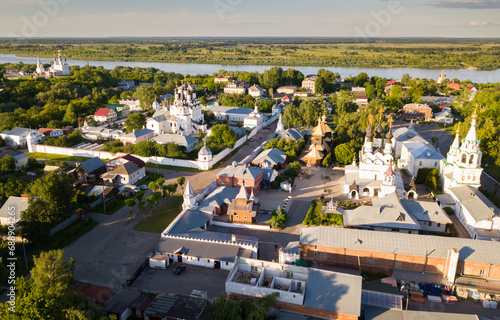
(120, 302)
(126, 85)
(115, 162)
(90, 169)
(445, 117)
(415, 111)
(172, 307)
(242, 209)
(137, 136)
(97, 133)
(105, 115)
(222, 79)
(286, 99)
(53, 133)
(184, 141)
(437, 100)
(361, 99)
(453, 85)
(19, 136)
(256, 91)
(236, 87)
(122, 110)
(453, 260)
(309, 83)
(230, 114)
(128, 173)
(358, 90)
(270, 158)
(133, 103)
(239, 175)
(20, 158)
(479, 216)
(12, 209)
(287, 89)
(309, 291)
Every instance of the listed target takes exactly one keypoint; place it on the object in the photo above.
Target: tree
(57, 190)
(320, 86)
(271, 78)
(245, 309)
(7, 163)
(180, 181)
(223, 136)
(361, 79)
(327, 160)
(171, 188)
(146, 95)
(37, 220)
(151, 202)
(344, 153)
(130, 202)
(32, 163)
(51, 273)
(139, 195)
(135, 121)
(142, 207)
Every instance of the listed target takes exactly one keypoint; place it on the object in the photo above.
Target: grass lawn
(50, 156)
(161, 218)
(112, 206)
(162, 166)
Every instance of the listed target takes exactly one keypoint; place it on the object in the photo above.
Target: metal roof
(92, 164)
(273, 156)
(445, 199)
(178, 307)
(199, 249)
(401, 243)
(333, 291)
(426, 152)
(426, 211)
(175, 138)
(192, 219)
(218, 197)
(14, 202)
(121, 300)
(241, 172)
(476, 203)
(123, 170)
(386, 212)
(231, 110)
(138, 133)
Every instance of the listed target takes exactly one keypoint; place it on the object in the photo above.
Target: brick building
(376, 251)
(415, 111)
(237, 176)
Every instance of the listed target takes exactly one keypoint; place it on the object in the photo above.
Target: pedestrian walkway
(462, 232)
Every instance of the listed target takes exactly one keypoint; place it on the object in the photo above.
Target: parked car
(179, 269)
(143, 187)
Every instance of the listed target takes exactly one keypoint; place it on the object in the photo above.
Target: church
(184, 116)
(59, 67)
(375, 175)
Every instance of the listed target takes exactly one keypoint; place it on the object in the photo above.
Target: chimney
(25, 197)
(233, 238)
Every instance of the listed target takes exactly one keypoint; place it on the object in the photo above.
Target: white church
(184, 116)
(59, 67)
(375, 175)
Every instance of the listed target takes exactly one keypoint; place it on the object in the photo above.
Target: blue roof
(139, 133)
(93, 164)
(426, 152)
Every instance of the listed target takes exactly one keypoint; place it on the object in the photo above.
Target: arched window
(464, 158)
(471, 159)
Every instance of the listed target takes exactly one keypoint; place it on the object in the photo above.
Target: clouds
(480, 24)
(465, 4)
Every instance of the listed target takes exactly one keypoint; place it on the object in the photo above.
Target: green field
(483, 54)
(161, 218)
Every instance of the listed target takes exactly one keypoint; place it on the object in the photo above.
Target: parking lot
(165, 281)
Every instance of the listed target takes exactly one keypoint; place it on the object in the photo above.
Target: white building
(462, 165)
(230, 114)
(18, 136)
(375, 175)
(126, 85)
(19, 203)
(254, 119)
(444, 116)
(128, 173)
(256, 91)
(404, 135)
(20, 158)
(59, 67)
(309, 83)
(133, 103)
(416, 155)
(236, 87)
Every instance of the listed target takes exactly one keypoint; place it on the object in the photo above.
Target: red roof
(102, 112)
(130, 158)
(45, 130)
(391, 82)
(286, 97)
(389, 171)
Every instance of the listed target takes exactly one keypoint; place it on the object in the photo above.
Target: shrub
(278, 218)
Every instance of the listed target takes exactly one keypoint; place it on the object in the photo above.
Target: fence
(63, 224)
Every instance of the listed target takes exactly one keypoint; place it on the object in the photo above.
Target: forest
(416, 53)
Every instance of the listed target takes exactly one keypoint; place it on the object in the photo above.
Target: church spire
(456, 142)
(280, 126)
(472, 135)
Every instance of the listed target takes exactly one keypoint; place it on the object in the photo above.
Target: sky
(244, 18)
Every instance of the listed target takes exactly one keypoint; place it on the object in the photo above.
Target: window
(227, 263)
(254, 269)
(482, 272)
(245, 217)
(208, 260)
(420, 163)
(198, 259)
(237, 217)
(430, 223)
(439, 225)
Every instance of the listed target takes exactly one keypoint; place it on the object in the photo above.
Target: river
(198, 68)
